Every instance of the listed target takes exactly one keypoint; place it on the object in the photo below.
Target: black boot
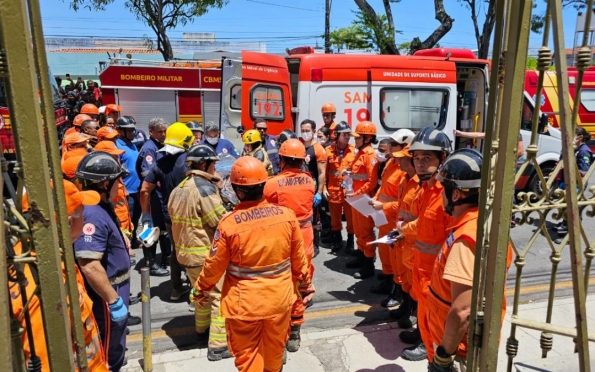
(337, 242)
(395, 298)
(403, 310)
(367, 270)
(293, 344)
(386, 286)
(325, 232)
(328, 238)
(357, 262)
(410, 337)
(350, 246)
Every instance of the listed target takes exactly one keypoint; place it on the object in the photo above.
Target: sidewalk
(378, 348)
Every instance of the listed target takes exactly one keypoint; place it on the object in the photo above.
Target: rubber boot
(386, 286)
(215, 355)
(409, 320)
(395, 298)
(367, 270)
(357, 262)
(410, 337)
(328, 238)
(337, 243)
(403, 310)
(293, 344)
(350, 246)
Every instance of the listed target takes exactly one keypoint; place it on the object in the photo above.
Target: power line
(286, 6)
(181, 39)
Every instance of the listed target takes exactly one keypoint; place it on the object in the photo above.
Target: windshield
(56, 98)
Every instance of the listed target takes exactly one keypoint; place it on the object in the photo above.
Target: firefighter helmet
(112, 108)
(293, 148)
(195, 126)
(461, 171)
(403, 136)
(329, 107)
(248, 171)
(285, 135)
(98, 166)
(126, 122)
(430, 139)
(200, 153)
(179, 135)
(251, 136)
(89, 109)
(79, 119)
(342, 127)
(363, 128)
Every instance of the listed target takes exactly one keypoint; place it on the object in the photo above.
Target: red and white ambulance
(445, 88)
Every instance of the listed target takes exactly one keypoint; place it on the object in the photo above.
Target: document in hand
(361, 203)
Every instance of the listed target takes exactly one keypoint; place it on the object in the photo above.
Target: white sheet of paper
(361, 203)
(379, 218)
(384, 240)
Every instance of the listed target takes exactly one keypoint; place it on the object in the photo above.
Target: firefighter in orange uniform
(405, 247)
(364, 172)
(295, 189)
(91, 110)
(76, 125)
(329, 111)
(449, 301)
(387, 200)
(75, 144)
(95, 355)
(340, 155)
(429, 148)
(260, 249)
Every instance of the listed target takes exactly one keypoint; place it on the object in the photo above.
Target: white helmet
(101, 109)
(149, 236)
(403, 136)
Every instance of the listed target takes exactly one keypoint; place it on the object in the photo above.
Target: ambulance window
(413, 108)
(588, 99)
(235, 101)
(3, 101)
(266, 101)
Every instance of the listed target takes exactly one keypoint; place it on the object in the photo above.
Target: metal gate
(552, 204)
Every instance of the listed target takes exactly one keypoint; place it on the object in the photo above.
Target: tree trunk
(386, 48)
(165, 46)
(483, 45)
(445, 25)
(391, 25)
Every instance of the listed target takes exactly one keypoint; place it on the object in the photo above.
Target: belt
(386, 198)
(272, 270)
(427, 248)
(120, 277)
(439, 298)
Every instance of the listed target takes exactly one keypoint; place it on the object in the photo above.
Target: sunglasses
(261, 129)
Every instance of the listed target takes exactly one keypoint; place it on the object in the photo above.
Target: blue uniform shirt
(223, 147)
(147, 157)
(128, 160)
(270, 144)
(102, 240)
(583, 157)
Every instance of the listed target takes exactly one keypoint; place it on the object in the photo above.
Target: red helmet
(364, 127)
(248, 171)
(293, 148)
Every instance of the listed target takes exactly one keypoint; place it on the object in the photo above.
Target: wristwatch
(442, 353)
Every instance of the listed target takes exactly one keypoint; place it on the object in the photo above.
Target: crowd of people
(292, 197)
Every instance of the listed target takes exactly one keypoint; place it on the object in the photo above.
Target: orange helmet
(248, 171)
(364, 127)
(329, 107)
(78, 120)
(89, 109)
(293, 148)
(112, 108)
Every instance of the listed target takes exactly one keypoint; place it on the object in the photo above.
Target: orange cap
(78, 120)
(293, 148)
(109, 147)
(89, 109)
(404, 153)
(248, 171)
(69, 166)
(74, 197)
(75, 137)
(364, 127)
(112, 108)
(328, 107)
(106, 133)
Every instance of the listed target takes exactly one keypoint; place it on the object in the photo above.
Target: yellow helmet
(251, 136)
(179, 135)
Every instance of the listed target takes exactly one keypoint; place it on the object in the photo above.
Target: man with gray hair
(220, 145)
(146, 158)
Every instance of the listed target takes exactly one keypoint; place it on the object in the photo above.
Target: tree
(489, 14)
(160, 15)
(383, 27)
(351, 37)
(538, 20)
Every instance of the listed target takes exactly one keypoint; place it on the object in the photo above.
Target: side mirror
(543, 122)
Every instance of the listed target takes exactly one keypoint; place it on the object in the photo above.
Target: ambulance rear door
(230, 116)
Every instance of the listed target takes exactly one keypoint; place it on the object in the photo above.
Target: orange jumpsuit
(123, 210)
(74, 152)
(95, 354)
(338, 162)
(462, 237)
(389, 195)
(259, 248)
(404, 248)
(431, 234)
(364, 172)
(295, 190)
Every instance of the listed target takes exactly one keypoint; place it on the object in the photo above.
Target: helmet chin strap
(449, 190)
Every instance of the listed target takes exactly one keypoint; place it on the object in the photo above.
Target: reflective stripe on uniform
(386, 199)
(200, 250)
(119, 279)
(336, 173)
(359, 177)
(406, 216)
(215, 213)
(305, 223)
(272, 270)
(427, 248)
(199, 222)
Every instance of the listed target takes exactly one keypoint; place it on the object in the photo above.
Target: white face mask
(307, 136)
(381, 156)
(212, 140)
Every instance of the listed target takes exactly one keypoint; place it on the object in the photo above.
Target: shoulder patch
(224, 150)
(217, 235)
(450, 240)
(149, 159)
(89, 229)
(374, 162)
(273, 142)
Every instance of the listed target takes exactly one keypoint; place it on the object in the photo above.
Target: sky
(278, 23)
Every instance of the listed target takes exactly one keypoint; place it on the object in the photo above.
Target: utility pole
(327, 27)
